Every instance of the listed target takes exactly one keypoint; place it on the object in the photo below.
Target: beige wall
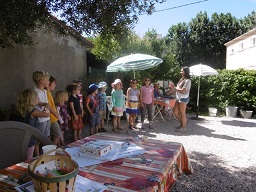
(242, 54)
(62, 56)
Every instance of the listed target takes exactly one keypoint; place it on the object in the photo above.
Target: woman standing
(182, 96)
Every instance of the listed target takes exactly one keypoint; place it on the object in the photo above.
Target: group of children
(139, 101)
(53, 116)
(38, 108)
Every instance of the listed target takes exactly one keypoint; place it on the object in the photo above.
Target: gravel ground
(221, 151)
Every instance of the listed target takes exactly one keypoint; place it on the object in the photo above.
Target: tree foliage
(89, 17)
(230, 87)
(202, 39)
(110, 49)
(17, 17)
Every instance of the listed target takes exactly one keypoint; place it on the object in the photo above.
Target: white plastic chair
(109, 105)
(169, 108)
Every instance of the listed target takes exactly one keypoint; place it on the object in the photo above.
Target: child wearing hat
(118, 104)
(92, 106)
(102, 104)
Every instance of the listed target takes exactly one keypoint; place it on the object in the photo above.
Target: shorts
(94, 120)
(44, 127)
(119, 112)
(184, 100)
(77, 124)
(102, 114)
(55, 130)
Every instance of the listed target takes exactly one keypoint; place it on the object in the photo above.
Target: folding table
(161, 103)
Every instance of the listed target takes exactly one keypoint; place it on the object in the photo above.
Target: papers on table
(81, 184)
(29, 187)
(119, 150)
(42, 168)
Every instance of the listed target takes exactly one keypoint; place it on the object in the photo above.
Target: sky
(162, 21)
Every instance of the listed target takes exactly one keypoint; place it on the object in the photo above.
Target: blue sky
(162, 21)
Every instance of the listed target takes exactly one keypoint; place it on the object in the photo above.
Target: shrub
(230, 87)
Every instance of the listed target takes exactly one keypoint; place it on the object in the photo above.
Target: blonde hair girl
(27, 100)
(118, 104)
(61, 97)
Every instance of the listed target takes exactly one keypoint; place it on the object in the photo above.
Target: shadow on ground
(210, 175)
(195, 129)
(238, 123)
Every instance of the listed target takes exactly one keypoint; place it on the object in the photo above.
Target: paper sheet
(81, 185)
(119, 150)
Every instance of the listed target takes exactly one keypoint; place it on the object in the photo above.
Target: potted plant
(231, 108)
(212, 111)
(246, 111)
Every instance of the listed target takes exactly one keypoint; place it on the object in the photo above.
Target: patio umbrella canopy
(201, 70)
(134, 62)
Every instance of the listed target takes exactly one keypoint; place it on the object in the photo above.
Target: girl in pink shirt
(147, 101)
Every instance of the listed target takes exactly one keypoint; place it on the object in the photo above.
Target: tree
(111, 49)
(208, 37)
(178, 40)
(223, 28)
(248, 22)
(103, 17)
(17, 17)
(202, 39)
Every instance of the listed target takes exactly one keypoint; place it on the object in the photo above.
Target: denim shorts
(94, 120)
(44, 127)
(184, 100)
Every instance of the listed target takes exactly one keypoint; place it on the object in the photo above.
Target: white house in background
(241, 51)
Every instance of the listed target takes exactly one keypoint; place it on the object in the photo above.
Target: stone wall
(62, 56)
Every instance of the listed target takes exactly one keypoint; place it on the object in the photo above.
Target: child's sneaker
(103, 130)
(181, 129)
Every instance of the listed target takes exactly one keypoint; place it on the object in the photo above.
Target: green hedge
(230, 87)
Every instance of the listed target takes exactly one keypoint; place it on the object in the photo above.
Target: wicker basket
(60, 183)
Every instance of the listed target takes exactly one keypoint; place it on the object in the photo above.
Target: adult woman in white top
(182, 96)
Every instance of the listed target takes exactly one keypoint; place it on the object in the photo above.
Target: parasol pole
(197, 103)
(133, 72)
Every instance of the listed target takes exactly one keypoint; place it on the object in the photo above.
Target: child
(91, 103)
(76, 111)
(102, 104)
(171, 92)
(79, 83)
(156, 90)
(41, 80)
(146, 101)
(55, 130)
(132, 107)
(118, 104)
(27, 100)
(60, 98)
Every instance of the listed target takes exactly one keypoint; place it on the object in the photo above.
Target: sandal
(114, 130)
